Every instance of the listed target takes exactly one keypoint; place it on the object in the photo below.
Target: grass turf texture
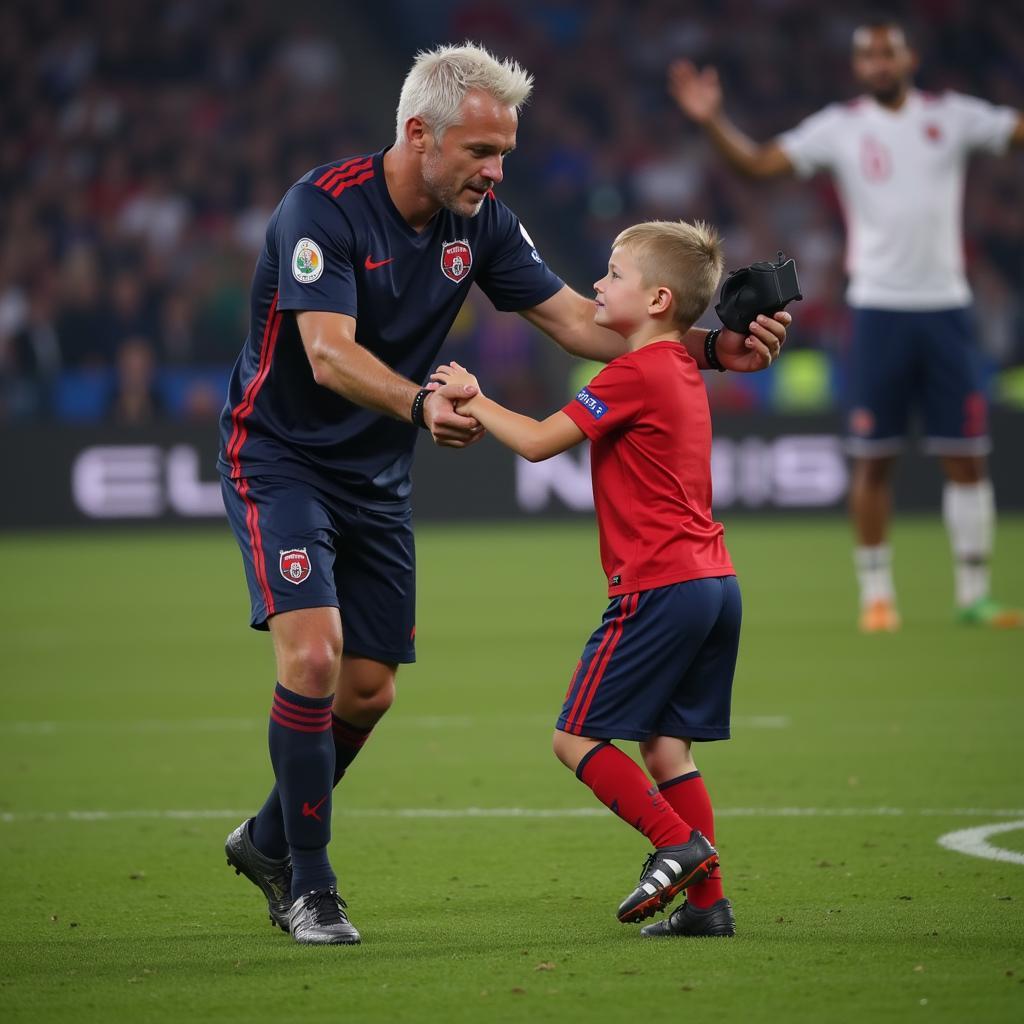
(131, 683)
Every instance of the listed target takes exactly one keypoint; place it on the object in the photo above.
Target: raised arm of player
(568, 319)
(1017, 138)
(698, 94)
(534, 440)
(344, 366)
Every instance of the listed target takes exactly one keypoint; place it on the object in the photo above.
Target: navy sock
(302, 753)
(267, 830)
(348, 741)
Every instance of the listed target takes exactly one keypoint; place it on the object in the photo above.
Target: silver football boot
(318, 918)
(273, 877)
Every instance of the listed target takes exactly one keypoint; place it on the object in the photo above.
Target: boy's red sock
(621, 785)
(689, 798)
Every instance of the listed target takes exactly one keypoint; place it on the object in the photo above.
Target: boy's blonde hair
(439, 79)
(685, 258)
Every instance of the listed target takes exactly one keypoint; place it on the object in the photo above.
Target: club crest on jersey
(593, 405)
(307, 261)
(456, 259)
(294, 565)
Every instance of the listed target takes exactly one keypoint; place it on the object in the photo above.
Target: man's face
(468, 162)
(622, 300)
(882, 62)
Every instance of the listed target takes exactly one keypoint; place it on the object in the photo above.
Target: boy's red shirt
(647, 417)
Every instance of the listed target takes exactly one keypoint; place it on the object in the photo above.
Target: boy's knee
(563, 748)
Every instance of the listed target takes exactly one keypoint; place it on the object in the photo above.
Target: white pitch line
(15, 817)
(974, 842)
(170, 725)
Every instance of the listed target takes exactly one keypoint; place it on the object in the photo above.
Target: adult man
(319, 430)
(898, 157)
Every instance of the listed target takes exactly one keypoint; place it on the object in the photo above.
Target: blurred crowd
(146, 144)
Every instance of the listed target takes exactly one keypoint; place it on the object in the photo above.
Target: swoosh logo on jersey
(370, 264)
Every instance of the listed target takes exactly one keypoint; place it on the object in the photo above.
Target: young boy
(659, 668)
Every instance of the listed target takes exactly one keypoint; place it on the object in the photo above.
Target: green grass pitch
(132, 687)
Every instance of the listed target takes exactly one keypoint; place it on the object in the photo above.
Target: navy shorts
(925, 363)
(303, 548)
(660, 664)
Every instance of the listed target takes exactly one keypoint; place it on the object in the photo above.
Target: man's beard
(889, 92)
(446, 193)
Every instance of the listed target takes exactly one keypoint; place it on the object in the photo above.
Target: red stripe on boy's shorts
(604, 664)
(609, 632)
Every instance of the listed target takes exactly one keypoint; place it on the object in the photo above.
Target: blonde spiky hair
(685, 258)
(439, 79)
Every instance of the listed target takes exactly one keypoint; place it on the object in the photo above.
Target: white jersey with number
(900, 176)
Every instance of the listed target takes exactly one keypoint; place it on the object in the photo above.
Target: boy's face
(623, 302)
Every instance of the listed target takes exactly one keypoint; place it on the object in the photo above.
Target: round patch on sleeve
(307, 261)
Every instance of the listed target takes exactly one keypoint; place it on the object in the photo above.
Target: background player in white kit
(898, 157)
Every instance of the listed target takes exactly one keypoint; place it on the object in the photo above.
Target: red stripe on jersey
(328, 181)
(365, 176)
(252, 522)
(613, 635)
(243, 410)
(331, 171)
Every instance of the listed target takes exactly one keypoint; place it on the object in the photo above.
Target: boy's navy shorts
(924, 363)
(304, 548)
(660, 664)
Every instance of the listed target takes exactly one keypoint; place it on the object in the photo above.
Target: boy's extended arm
(534, 440)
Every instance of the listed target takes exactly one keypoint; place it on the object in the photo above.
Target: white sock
(874, 572)
(970, 512)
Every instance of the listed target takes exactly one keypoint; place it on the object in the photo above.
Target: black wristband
(710, 340)
(416, 414)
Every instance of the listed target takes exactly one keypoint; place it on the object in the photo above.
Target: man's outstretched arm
(568, 319)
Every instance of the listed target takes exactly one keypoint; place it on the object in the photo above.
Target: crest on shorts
(307, 261)
(295, 565)
(456, 259)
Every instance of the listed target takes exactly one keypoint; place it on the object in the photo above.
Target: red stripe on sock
(297, 727)
(290, 716)
(349, 735)
(301, 708)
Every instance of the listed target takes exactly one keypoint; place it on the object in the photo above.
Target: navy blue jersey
(337, 243)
